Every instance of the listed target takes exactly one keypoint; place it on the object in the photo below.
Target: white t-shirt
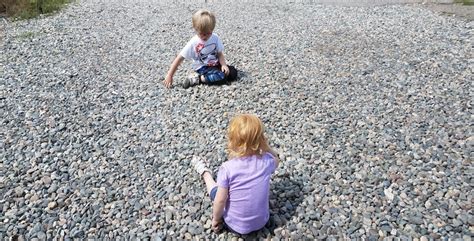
(203, 53)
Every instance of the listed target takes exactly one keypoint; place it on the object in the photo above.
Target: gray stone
(367, 108)
(416, 219)
(77, 233)
(451, 214)
(386, 228)
(41, 235)
(456, 223)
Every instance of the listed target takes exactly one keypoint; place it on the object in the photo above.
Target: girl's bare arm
(218, 207)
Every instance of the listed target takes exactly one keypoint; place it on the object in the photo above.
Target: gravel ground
(369, 107)
(465, 12)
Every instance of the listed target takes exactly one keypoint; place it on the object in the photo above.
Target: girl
(241, 194)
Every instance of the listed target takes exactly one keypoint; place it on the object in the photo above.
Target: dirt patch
(465, 12)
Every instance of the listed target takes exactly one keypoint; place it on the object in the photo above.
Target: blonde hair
(246, 136)
(204, 21)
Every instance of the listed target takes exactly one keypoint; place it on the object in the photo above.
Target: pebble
(368, 109)
(208, 224)
(46, 180)
(52, 205)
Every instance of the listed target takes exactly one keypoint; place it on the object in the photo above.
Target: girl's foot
(199, 165)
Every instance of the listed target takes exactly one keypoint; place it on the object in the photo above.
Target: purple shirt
(248, 181)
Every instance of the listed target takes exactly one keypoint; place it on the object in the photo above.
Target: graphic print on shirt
(207, 54)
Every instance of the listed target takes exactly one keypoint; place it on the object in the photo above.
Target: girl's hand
(225, 69)
(216, 226)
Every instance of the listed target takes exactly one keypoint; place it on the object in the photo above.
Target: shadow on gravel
(242, 74)
(284, 199)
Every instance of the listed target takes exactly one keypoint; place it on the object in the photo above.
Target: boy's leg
(191, 80)
(232, 73)
(214, 75)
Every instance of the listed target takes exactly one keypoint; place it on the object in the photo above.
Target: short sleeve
(220, 45)
(222, 177)
(273, 161)
(187, 51)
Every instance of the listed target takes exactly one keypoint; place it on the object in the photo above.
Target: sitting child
(206, 51)
(241, 194)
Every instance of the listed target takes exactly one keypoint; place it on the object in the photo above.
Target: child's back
(240, 195)
(248, 181)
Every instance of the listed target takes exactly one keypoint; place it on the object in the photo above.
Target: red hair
(246, 136)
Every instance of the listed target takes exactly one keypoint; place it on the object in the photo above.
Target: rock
(277, 220)
(46, 180)
(34, 198)
(456, 223)
(52, 205)
(19, 191)
(37, 228)
(208, 224)
(41, 235)
(144, 222)
(77, 233)
(386, 228)
(367, 221)
(416, 220)
(168, 215)
(368, 110)
(389, 194)
(451, 214)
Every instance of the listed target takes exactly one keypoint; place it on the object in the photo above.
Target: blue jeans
(211, 74)
(213, 193)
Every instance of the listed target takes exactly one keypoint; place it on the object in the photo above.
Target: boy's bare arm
(224, 66)
(218, 207)
(174, 66)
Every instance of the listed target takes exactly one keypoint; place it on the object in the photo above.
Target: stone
(208, 224)
(368, 109)
(389, 194)
(46, 180)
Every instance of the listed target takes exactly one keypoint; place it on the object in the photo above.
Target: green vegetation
(468, 2)
(24, 9)
(465, 2)
(26, 35)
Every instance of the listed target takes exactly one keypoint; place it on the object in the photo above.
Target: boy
(206, 51)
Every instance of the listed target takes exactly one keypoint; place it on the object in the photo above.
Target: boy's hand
(168, 81)
(225, 69)
(216, 225)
